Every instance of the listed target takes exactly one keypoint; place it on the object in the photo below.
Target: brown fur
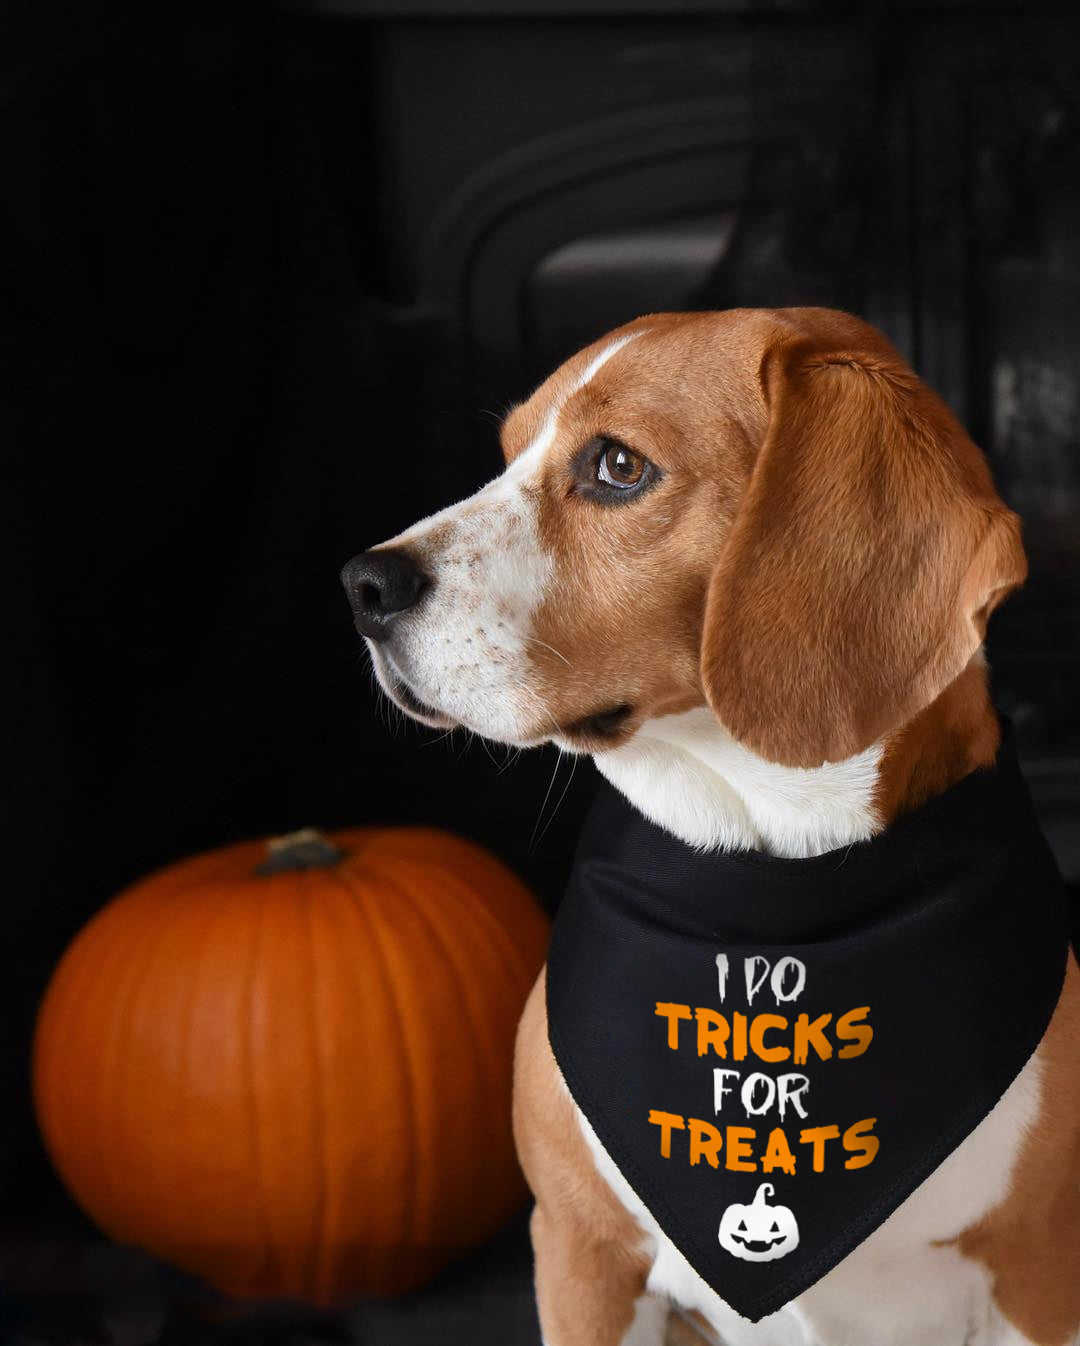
(1031, 1242)
(869, 548)
(819, 560)
(818, 563)
(624, 608)
(943, 743)
(589, 1269)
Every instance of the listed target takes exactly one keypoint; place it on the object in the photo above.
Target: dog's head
(765, 511)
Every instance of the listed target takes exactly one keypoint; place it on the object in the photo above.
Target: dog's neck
(685, 773)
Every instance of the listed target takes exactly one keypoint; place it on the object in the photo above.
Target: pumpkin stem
(759, 1200)
(306, 849)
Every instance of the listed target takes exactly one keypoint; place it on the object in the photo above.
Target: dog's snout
(380, 586)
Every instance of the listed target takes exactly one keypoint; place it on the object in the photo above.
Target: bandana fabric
(777, 1052)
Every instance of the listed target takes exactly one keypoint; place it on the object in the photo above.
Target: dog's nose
(380, 585)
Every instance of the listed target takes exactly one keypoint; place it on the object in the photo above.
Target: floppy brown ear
(867, 553)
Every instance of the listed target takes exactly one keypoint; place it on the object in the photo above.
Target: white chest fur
(689, 776)
(904, 1285)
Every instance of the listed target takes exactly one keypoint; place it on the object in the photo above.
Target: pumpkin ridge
(423, 1215)
(466, 893)
(513, 957)
(489, 1069)
(112, 1076)
(474, 926)
(110, 955)
(258, 931)
(290, 1108)
(217, 913)
(336, 1232)
(471, 912)
(368, 914)
(351, 904)
(516, 960)
(320, 1244)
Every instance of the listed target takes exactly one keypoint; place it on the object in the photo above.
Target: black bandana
(777, 1052)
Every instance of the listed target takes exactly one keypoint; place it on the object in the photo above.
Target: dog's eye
(619, 466)
(608, 472)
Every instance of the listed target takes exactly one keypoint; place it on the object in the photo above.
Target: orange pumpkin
(292, 1076)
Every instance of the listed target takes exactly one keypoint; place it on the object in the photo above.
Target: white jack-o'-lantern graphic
(758, 1232)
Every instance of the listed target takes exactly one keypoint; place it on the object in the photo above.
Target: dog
(746, 561)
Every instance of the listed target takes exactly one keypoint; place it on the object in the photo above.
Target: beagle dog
(745, 560)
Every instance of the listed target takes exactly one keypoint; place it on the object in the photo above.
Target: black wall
(204, 414)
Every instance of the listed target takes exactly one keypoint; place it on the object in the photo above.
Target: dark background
(269, 276)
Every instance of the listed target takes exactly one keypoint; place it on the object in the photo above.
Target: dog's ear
(864, 559)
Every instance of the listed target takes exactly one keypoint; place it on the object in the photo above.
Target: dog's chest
(804, 1074)
(906, 1284)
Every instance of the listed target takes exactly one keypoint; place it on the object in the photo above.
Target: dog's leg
(590, 1292)
(591, 1259)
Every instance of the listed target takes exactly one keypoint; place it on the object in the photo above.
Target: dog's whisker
(558, 653)
(491, 756)
(441, 738)
(497, 414)
(512, 756)
(543, 805)
(559, 801)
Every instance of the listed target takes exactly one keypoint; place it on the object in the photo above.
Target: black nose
(381, 584)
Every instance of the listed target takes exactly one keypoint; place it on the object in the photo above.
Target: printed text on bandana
(763, 1056)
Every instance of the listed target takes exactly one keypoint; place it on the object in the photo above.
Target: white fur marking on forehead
(599, 361)
(529, 458)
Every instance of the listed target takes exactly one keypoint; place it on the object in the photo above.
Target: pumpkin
(288, 1069)
(759, 1232)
